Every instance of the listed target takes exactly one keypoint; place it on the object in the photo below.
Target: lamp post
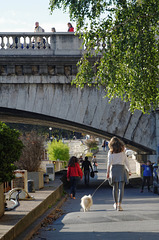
(50, 134)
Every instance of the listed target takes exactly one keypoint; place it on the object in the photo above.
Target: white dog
(86, 202)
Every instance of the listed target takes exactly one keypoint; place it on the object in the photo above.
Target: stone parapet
(28, 211)
(19, 43)
(38, 179)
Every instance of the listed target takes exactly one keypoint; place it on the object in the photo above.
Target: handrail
(17, 40)
(61, 43)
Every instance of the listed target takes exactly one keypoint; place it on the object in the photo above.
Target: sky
(20, 16)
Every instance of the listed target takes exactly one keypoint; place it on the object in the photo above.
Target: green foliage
(80, 9)
(89, 154)
(58, 150)
(94, 148)
(10, 151)
(123, 34)
(33, 152)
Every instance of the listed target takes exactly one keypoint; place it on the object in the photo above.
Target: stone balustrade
(19, 43)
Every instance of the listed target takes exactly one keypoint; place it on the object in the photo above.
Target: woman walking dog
(117, 170)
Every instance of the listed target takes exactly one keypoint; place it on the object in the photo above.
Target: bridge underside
(25, 117)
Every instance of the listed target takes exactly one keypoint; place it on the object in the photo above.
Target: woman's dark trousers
(73, 181)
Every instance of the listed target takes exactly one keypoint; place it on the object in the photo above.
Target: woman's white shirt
(118, 158)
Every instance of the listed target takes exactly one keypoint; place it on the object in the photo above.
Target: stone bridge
(35, 88)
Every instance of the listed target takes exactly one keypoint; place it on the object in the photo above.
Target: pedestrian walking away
(118, 170)
(147, 174)
(80, 160)
(86, 165)
(95, 164)
(74, 172)
(104, 145)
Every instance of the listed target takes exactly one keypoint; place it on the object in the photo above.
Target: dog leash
(99, 187)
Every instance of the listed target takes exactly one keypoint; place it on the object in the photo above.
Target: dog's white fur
(86, 202)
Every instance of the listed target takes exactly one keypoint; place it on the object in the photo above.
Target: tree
(58, 150)
(91, 144)
(10, 151)
(33, 152)
(125, 60)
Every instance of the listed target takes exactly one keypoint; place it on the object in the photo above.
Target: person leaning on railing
(38, 29)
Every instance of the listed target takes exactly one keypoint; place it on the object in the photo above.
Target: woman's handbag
(92, 174)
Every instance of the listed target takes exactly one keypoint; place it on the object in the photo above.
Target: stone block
(27, 69)
(3, 70)
(43, 70)
(60, 70)
(74, 70)
(35, 69)
(38, 179)
(19, 69)
(51, 70)
(10, 69)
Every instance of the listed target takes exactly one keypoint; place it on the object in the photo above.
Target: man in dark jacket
(86, 165)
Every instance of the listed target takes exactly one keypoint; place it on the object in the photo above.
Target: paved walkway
(13, 221)
(138, 221)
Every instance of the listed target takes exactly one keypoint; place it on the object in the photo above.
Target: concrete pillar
(1, 200)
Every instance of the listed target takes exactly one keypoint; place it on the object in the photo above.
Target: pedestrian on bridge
(53, 30)
(38, 29)
(118, 170)
(70, 27)
(73, 173)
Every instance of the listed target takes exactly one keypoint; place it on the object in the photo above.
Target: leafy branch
(121, 48)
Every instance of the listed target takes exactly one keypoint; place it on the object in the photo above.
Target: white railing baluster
(35, 45)
(46, 42)
(30, 42)
(2, 44)
(25, 44)
(18, 41)
(8, 43)
(14, 45)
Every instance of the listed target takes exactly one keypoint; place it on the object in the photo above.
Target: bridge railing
(18, 43)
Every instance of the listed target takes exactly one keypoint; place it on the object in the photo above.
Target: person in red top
(73, 174)
(70, 27)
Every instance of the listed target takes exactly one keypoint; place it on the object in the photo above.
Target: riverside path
(138, 221)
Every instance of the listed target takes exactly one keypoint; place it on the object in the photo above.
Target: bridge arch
(35, 87)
